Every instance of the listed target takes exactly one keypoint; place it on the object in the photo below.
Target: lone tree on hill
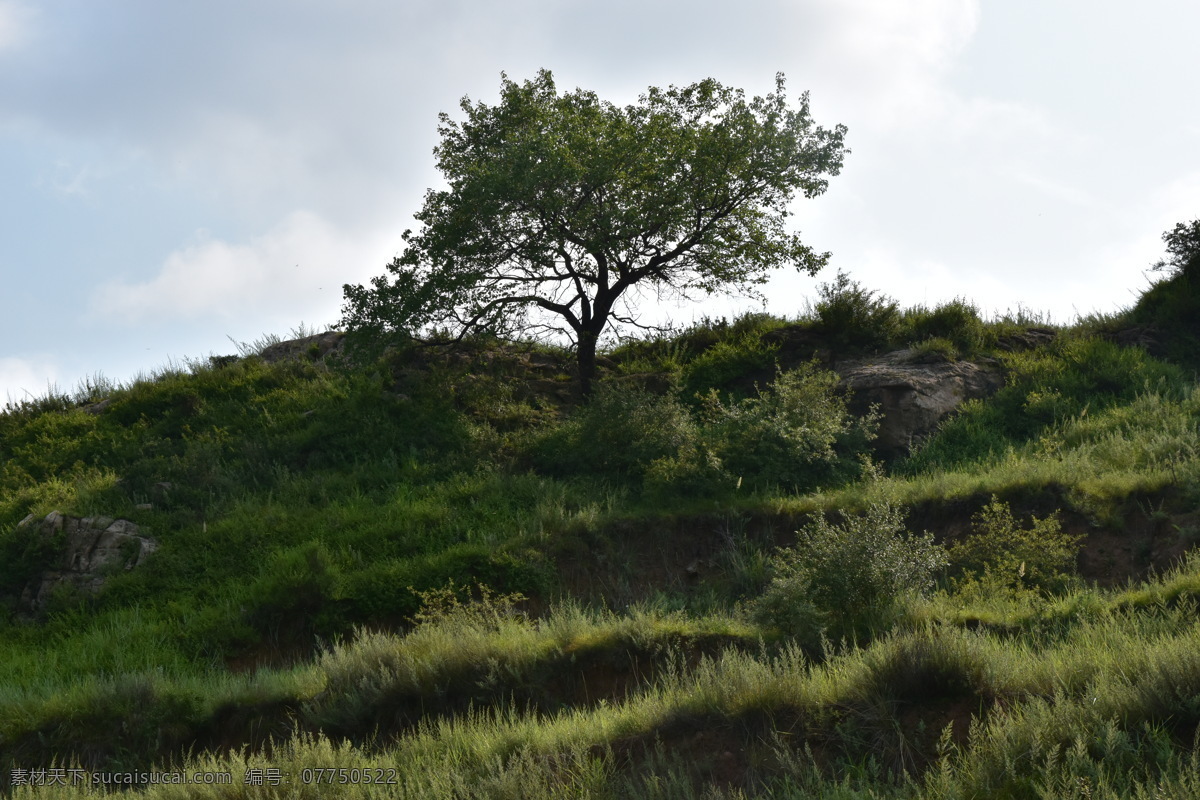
(563, 210)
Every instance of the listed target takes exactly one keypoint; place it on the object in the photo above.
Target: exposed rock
(1027, 339)
(310, 348)
(912, 397)
(557, 393)
(98, 408)
(1148, 337)
(93, 549)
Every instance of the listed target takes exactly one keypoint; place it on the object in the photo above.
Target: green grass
(932, 711)
(1096, 462)
(341, 547)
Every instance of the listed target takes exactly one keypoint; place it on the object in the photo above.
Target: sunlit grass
(1119, 679)
(311, 509)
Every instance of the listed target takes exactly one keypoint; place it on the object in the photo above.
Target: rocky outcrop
(309, 348)
(93, 548)
(1150, 338)
(913, 397)
(1027, 339)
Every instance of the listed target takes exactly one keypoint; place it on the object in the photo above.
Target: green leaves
(1183, 245)
(848, 578)
(557, 204)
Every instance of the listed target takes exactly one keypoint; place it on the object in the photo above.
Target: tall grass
(308, 513)
(930, 712)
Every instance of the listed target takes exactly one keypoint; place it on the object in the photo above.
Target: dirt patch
(582, 677)
(254, 728)
(748, 751)
(612, 674)
(1152, 535)
(924, 723)
(267, 655)
(711, 750)
(630, 561)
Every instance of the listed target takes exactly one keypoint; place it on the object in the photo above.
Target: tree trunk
(585, 355)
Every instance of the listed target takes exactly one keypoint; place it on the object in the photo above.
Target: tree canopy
(1183, 245)
(562, 211)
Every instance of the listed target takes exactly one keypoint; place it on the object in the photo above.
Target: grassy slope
(308, 513)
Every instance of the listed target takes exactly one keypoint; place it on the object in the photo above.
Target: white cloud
(1071, 195)
(912, 279)
(294, 271)
(978, 120)
(325, 107)
(893, 56)
(1124, 257)
(922, 34)
(15, 23)
(1176, 201)
(25, 379)
(248, 111)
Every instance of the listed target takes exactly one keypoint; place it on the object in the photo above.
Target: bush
(695, 472)
(848, 579)
(1172, 305)
(957, 322)
(853, 316)
(934, 351)
(293, 598)
(617, 435)
(797, 435)
(482, 608)
(1002, 554)
(723, 364)
(737, 354)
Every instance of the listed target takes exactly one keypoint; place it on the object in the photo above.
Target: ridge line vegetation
(411, 563)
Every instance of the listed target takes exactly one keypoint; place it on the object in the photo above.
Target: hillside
(865, 552)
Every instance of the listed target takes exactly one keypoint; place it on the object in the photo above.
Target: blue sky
(175, 175)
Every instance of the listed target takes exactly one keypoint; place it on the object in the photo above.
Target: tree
(563, 210)
(1183, 244)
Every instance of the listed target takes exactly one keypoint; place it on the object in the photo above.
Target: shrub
(293, 597)
(853, 316)
(957, 322)
(798, 434)
(850, 578)
(1003, 554)
(934, 351)
(662, 353)
(617, 435)
(1173, 306)
(724, 363)
(482, 608)
(695, 472)
(738, 354)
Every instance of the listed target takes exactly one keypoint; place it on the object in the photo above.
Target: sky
(177, 177)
